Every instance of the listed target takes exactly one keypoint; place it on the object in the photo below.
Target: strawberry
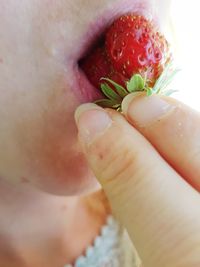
(134, 57)
(98, 65)
(134, 45)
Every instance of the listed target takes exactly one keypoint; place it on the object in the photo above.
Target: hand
(148, 162)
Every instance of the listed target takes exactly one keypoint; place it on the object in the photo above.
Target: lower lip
(83, 89)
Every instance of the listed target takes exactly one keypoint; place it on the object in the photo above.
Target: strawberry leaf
(116, 106)
(106, 103)
(120, 90)
(169, 92)
(136, 83)
(169, 78)
(149, 91)
(165, 78)
(109, 92)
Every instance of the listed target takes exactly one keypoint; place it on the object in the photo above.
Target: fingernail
(92, 121)
(144, 110)
(128, 100)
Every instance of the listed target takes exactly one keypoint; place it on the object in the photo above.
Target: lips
(80, 84)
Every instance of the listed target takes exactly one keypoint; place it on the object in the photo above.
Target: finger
(172, 128)
(145, 193)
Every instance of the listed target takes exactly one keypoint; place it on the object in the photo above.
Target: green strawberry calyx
(136, 84)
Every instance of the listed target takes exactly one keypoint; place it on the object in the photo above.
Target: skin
(151, 175)
(43, 171)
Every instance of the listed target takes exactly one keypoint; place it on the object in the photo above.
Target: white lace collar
(105, 251)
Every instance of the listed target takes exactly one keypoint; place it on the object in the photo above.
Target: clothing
(111, 248)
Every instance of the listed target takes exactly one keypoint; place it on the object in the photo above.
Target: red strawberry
(133, 58)
(97, 65)
(134, 45)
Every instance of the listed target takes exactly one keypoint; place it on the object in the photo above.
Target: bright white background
(186, 24)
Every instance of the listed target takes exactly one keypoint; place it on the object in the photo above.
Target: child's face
(39, 91)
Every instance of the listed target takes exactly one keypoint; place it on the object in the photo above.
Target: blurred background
(186, 33)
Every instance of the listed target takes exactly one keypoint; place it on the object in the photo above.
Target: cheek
(58, 165)
(38, 138)
(38, 141)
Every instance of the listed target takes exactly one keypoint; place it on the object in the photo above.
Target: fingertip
(144, 110)
(91, 121)
(127, 101)
(82, 108)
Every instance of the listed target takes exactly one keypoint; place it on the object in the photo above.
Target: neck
(37, 223)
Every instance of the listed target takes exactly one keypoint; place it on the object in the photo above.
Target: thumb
(159, 209)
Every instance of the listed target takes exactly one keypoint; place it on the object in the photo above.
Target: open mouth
(95, 37)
